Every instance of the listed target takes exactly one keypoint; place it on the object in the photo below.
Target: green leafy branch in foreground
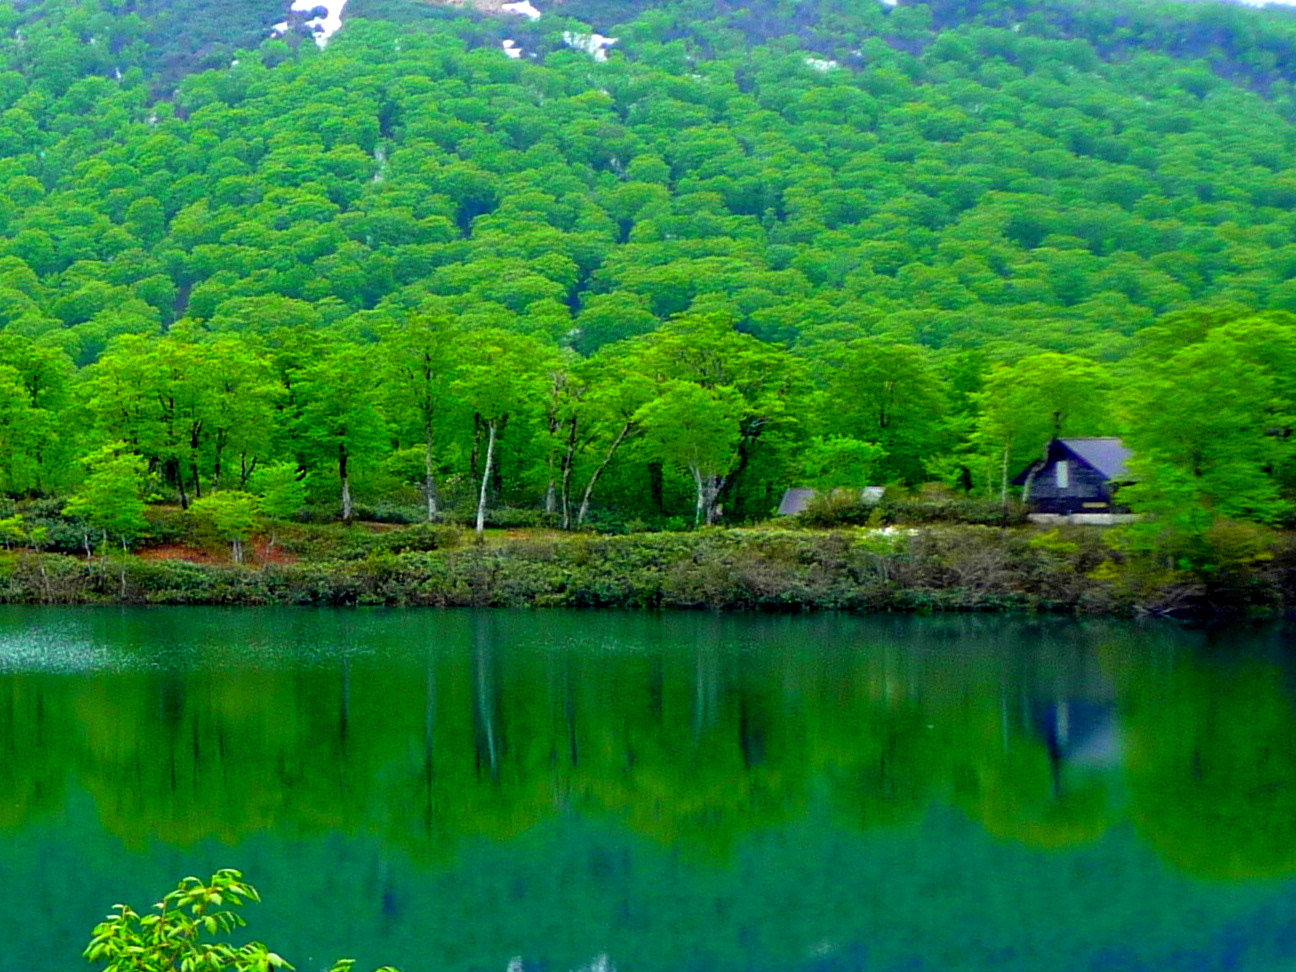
(170, 940)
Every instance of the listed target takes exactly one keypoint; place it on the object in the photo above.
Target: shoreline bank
(939, 568)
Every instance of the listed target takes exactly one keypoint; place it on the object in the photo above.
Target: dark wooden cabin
(1076, 476)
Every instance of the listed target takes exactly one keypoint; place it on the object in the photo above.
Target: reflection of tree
(1212, 768)
(872, 740)
(1012, 794)
(33, 767)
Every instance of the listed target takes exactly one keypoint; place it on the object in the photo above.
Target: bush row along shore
(931, 568)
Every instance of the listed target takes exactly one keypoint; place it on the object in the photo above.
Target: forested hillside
(779, 244)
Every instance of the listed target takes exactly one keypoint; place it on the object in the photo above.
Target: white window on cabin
(1062, 472)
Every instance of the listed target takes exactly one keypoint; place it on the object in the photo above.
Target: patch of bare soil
(177, 551)
(257, 551)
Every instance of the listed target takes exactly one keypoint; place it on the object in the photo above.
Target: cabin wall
(1085, 490)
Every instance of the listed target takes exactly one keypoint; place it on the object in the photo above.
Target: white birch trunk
(429, 478)
(708, 491)
(344, 474)
(485, 483)
(1003, 477)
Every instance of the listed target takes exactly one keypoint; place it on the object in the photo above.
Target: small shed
(796, 500)
(1078, 475)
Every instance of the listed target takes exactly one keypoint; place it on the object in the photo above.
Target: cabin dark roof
(1108, 455)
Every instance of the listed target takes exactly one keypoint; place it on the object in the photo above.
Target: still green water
(462, 791)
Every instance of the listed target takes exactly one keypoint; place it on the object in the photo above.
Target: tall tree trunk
(219, 442)
(429, 475)
(746, 445)
(497, 465)
(485, 482)
(708, 495)
(1003, 482)
(474, 469)
(568, 460)
(348, 508)
(238, 550)
(1032, 474)
(598, 471)
(176, 472)
(1029, 485)
(553, 424)
(1003, 477)
(712, 488)
(195, 440)
(657, 487)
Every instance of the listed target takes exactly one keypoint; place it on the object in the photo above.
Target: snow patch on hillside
(321, 28)
(595, 45)
(524, 8)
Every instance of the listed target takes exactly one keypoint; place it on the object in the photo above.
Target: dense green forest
(818, 243)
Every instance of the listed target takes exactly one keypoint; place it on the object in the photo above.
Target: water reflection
(437, 735)
(692, 731)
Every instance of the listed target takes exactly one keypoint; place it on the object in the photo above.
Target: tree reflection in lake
(946, 771)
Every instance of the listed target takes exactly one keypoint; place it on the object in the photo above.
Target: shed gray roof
(795, 501)
(1106, 454)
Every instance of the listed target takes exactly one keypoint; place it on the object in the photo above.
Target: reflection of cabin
(1079, 733)
(1076, 476)
(797, 500)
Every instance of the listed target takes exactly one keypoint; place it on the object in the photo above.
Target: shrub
(420, 537)
(173, 939)
(843, 508)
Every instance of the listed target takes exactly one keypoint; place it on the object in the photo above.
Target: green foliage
(1203, 424)
(893, 396)
(412, 273)
(15, 531)
(109, 499)
(832, 462)
(1029, 402)
(280, 490)
(174, 937)
(846, 508)
(231, 515)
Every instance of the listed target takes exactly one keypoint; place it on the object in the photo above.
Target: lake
(484, 791)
